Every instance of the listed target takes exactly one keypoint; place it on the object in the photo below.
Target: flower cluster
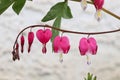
(61, 44)
(98, 6)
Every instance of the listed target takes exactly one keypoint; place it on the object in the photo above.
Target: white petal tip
(98, 15)
(84, 4)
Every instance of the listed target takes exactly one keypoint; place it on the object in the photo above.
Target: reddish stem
(62, 30)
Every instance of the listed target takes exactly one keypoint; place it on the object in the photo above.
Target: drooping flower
(88, 46)
(44, 36)
(61, 45)
(98, 5)
(83, 4)
(30, 40)
(15, 52)
(22, 41)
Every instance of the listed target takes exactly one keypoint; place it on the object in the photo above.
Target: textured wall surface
(37, 66)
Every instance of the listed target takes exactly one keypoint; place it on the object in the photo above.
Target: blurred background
(37, 66)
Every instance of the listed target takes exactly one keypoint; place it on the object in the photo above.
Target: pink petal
(30, 40)
(65, 45)
(92, 45)
(98, 4)
(61, 44)
(22, 41)
(44, 35)
(40, 35)
(48, 35)
(83, 46)
(56, 43)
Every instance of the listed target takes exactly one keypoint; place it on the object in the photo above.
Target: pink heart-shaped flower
(44, 35)
(92, 45)
(88, 45)
(61, 44)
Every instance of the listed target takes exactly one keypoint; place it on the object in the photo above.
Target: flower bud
(16, 52)
(30, 40)
(22, 41)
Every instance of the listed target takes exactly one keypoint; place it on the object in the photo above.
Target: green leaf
(60, 9)
(85, 79)
(67, 13)
(18, 5)
(50, 15)
(95, 78)
(54, 12)
(4, 4)
(57, 24)
(57, 12)
(90, 76)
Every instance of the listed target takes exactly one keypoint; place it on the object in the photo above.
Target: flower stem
(63, 30)
(87, 33)
(66, 0)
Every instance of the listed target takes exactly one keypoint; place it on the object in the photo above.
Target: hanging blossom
(61, 45)
(88, 46)
(22, 41)
(44, 36)
(83, 4)
(15, 52)
(30, 40)
(98, 5)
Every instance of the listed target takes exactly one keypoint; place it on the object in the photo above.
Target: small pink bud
(22, 41)
(30, 40)
(17, 45)
(16, 52)
(44, 36)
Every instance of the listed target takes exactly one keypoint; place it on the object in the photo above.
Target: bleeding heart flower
(83, 4)
(88, 46)
(61, 45)
(44, 36)
(22, 41)
(98, 5)
(30, 40)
